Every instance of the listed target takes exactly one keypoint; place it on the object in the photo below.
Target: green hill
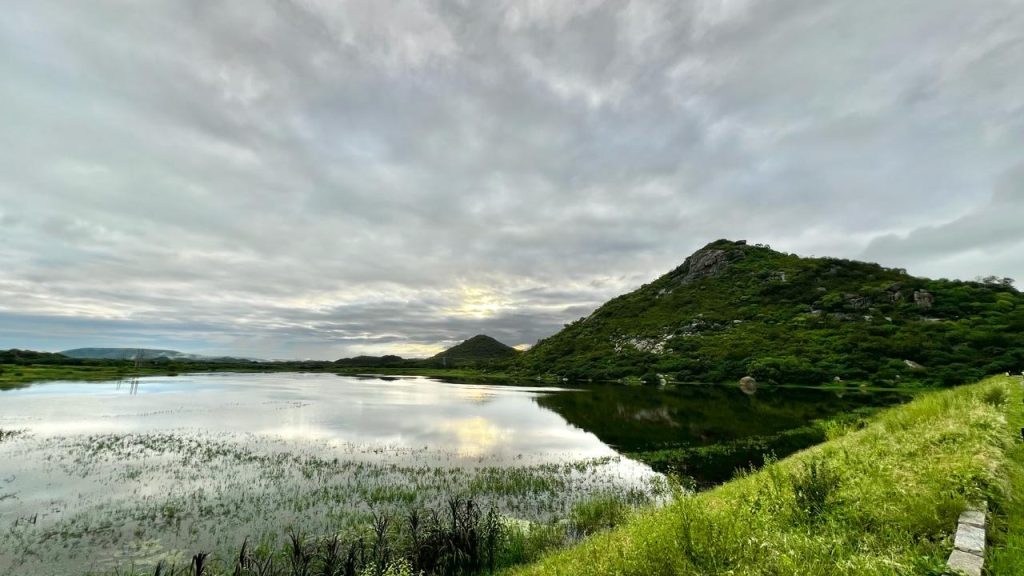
(478, 349)
(733, 310)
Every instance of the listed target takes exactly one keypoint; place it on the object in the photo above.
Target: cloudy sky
(316, 178)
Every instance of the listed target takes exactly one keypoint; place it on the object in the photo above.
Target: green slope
(733, 309)
(882, 500)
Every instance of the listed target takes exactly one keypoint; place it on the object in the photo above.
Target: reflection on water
(476, 420)
(475, 436)
(632, 419)
(706, 433)
(131, 384)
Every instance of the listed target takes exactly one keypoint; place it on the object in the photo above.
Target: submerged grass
(146, 497)
(880, 500)
(458, 538)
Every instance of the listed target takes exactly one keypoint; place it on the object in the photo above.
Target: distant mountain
(16, 356)
(389, 361)
(478, 349)
(123, 353)
(142, 353)
(733, 310)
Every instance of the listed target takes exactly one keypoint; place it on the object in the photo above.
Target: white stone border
(968, 556)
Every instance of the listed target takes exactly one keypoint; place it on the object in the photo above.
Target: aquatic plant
(150, 496)
(8, 434)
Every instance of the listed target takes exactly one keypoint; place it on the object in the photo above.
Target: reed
(459, 538)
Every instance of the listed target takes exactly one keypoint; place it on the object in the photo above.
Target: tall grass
(1007, 526)
(880, 500)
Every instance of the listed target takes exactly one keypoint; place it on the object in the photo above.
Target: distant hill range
(477, 351)
(388, 360)
(141, 353)
(733, 310)
(125, 354)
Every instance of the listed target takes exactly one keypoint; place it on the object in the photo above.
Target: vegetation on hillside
(26, 357)
(881, 500)
(733, 310)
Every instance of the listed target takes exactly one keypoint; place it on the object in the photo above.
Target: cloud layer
(304, 178)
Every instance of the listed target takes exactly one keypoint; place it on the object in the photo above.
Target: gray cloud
(302, 178)
(991, 232)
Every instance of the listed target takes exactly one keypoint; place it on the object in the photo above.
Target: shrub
(996, 395)
(814, 487)
(598, 514)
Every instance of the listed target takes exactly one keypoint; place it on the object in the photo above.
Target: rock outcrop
(923, 299)
(707, 262)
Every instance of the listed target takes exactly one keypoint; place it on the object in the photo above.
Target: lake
(99, 475)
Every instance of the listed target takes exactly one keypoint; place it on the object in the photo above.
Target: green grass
(880, 500)
(13, 376)
(1007, 534)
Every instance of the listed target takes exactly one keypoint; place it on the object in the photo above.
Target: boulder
(923, 299)
(913, 365)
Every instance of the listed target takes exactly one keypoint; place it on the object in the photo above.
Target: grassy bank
(1007, 534)
(14, 375)
(881, 500)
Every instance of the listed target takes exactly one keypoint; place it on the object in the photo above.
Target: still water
(99, 475)
(495, 423)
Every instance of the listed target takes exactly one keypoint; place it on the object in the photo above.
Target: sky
(319, 179)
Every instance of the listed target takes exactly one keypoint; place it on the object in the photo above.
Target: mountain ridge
(100, 353)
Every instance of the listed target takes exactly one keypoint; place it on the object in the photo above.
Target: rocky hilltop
(733, 310)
